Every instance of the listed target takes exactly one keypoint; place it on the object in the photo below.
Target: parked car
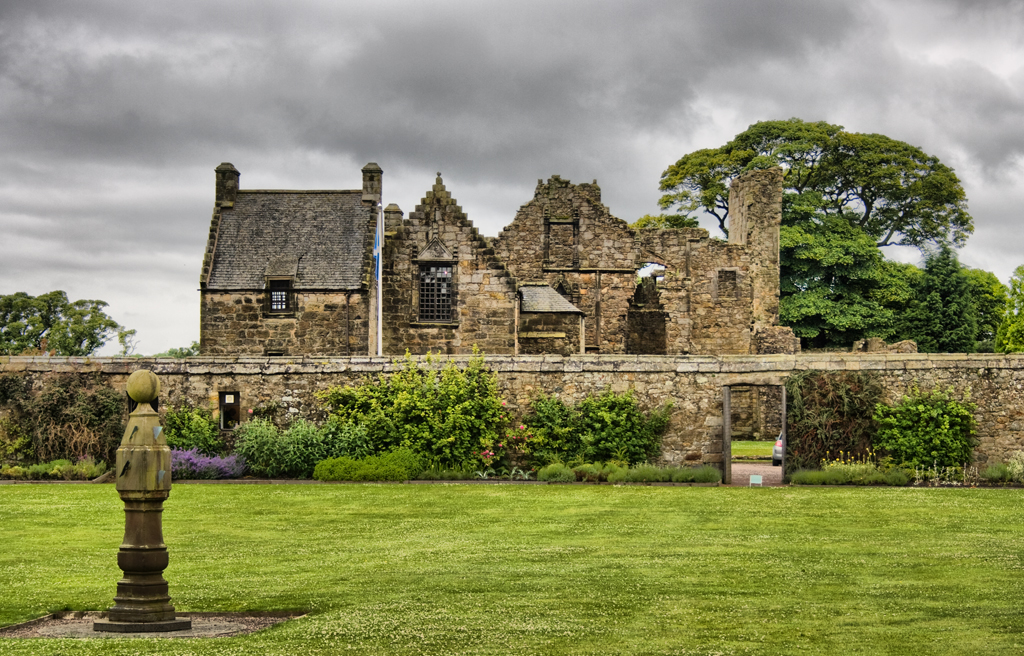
(778, 451)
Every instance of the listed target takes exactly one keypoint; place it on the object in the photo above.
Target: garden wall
(692, 383)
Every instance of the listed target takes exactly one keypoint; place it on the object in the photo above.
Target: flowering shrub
(1015, 467)
(193, 464)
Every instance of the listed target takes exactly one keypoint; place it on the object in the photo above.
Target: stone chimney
(372, 184)
(392, 218)
(227, 184)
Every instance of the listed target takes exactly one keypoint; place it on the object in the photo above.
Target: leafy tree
(53, 323)
(836, 287)
(990, 300)
(943, 318)
(662, 221)
(1010, 336)
(891, 190)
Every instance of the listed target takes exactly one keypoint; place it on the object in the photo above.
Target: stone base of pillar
(178, 624)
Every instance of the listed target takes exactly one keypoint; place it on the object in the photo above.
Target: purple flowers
(193, 465)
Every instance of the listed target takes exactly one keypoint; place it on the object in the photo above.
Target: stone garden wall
(692, 383)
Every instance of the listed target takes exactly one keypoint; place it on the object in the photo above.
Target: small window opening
(280, 298)
(229, 410)
(727, 284)
(435, 293)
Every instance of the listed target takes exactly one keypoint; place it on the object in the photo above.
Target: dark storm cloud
(425, 83)
(115, 113)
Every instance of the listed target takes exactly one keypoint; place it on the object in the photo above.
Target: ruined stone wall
(324, 323)
(565, 237)
(693, 384)
(547, 332)
(438, 232)
(755, 216)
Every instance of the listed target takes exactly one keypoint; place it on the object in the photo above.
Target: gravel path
(770, 476)
(204, 625)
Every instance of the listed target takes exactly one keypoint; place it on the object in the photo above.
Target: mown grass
(461, 569)
(752, 448)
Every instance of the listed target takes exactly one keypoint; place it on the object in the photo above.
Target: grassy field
(752, 448)
(463, 569)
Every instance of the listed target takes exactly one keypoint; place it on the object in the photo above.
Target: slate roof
(320, 237)
(541, 298)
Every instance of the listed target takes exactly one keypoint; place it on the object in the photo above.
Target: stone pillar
(143, 480)
(755, 216)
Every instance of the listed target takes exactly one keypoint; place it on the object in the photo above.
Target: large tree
(894, 192)
(52, 323)
(990, 298)
(1010, 336)
(943, 318)
(836, 287)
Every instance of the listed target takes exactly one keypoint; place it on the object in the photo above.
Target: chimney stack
(227, 184)
(372, 184)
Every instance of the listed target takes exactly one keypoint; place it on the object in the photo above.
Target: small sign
(755, 479)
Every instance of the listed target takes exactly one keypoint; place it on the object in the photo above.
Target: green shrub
(15, 443)
(294, 452)
(259, 442)
(928, 429)
(618, 476)
(828, 413)
(701, 474)
(398, 465)
(647, 474)
(453, 417)
(1015, 465)
(997, 473)
(57, 470)
(556, 473)
(897, 477)
(706, 474)
(610, 468)
(187, 428)
(589, 473)
(606, 427)
(439, 474)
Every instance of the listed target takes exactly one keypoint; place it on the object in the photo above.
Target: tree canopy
(50, 322)
(894, 192)
(1010, 335)
(663, 221)
(943, 318)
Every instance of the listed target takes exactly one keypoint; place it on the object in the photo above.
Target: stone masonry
(692, 383)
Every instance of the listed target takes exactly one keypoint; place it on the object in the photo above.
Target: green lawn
(752, 448)
(463, 569)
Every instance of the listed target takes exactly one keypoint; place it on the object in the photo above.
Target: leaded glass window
(436, 292)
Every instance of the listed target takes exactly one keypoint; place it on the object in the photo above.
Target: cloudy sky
(113, 115)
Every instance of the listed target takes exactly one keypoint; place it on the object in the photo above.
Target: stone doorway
(771, 411)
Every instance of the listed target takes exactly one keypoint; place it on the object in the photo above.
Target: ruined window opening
(230, 412)
(651, 270)
(436, 293)
(727, 284)
(280, 296)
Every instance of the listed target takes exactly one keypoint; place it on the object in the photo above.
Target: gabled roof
(541, 298)
(320, 237)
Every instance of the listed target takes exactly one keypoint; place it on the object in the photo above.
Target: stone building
(292, 273)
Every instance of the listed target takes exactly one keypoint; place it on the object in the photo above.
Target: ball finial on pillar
(143, 386)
